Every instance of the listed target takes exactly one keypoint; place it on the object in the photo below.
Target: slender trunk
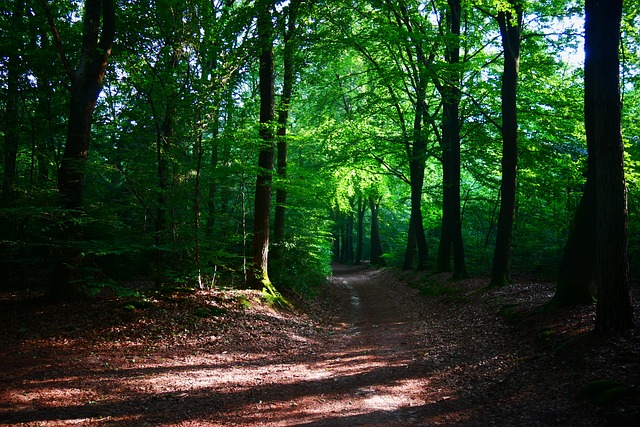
(344, 256)
(614, 310)
(416, 170)
(376, 244)
(197, 209)
(164, 142)
(283, 117)
(510, 31)
(213, 187)
(362, 208)
(259, 276)
(85, 87)
(11, 133)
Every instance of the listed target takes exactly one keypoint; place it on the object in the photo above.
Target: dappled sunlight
(394, 359)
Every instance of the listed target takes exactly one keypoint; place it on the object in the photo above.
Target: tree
(289, 63)
(259, 276)
(451, 232)
(376, 243)
(614, 311)
(510, 21)
(11, 134)
(86, 84)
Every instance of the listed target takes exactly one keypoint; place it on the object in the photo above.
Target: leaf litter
(372, 349)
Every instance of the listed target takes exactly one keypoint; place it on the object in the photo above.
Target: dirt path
(385, 357)
(364, 374)
(361, 371)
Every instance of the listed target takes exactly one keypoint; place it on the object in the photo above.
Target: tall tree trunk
(197, 210)
(259, 276)
(362, 208)
(451, 234)
(283, 117)
(348, 237)
(164, 142)
(376, 243)
(614, 310)
(416, 171)
(11, 133)
(510, 26)
(86, 85)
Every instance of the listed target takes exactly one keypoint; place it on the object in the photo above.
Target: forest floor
(370, 351)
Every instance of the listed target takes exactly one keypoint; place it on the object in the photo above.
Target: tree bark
(376, 243)
(362, 208)
(417, 158)
(283, 118)
(451, 231)
(11, 133)
(164, 142)
(259, 276)
(614, 310)
(86, 85)
(576, 276)
(510, 26)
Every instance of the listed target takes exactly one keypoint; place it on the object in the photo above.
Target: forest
(191, 183)
(254, 143)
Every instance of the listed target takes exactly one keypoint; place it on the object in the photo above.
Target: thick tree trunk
(376, 243)
(451, 232)
(259, 276)
(614, 311)
(85, 88)
(411, 249)
(510, 31)
(576, 277)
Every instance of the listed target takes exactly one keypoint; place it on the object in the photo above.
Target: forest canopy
(406, 133)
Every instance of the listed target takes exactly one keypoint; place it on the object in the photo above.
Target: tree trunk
(510, 32)
(451, 232)
(576, 277)
(11, 133)
(411, 249)
(614, 310)
(86, 85)
(259, 276)
(349, 255)
(164, 142)
(362, 208)
(376, 244)
(417, 160)
(283, 117)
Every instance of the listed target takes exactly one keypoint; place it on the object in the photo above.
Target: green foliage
(181, 92)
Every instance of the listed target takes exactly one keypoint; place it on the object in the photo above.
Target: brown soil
(372, 352)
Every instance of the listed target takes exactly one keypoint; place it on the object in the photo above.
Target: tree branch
(56, 36)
